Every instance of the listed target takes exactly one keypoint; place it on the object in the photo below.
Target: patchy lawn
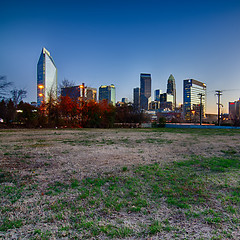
(120, 183)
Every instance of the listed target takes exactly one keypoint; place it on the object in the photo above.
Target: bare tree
(18, 95)
(65, 83)
(4, 85)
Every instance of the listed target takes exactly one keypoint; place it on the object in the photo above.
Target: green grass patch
(8, 224)
(214, 164)
(154, 141)
(155, 227)
(199, 132)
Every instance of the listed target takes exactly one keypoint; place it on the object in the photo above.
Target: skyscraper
(192, 89)
(136, 98)
(108, 93)
(171, 89)
(46, 77)
(157, 94)
(145, 90)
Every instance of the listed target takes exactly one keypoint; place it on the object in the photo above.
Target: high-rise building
(171, 89)
(145, 90)
(46, 77)
(157, 94)
(136, 98)
(108, 93)
(193, 92)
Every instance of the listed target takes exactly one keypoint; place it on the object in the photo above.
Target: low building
(80, 93)
(234, 110)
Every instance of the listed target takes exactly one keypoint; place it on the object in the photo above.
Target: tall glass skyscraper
(157, 94)
(46, 77)
(145, 90)
(192, 91)
(171, 89)
(136, 98)
(108, 93)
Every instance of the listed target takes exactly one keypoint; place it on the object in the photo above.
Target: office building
(157, 93)
(166, 101)
(108, 93)
(145, 90)
(80, 93)
(124, 100)
(91, 94)
(171, 89)
(46, 77)
(192, 106)
(234, 110)
(75, 92)
(136, 98)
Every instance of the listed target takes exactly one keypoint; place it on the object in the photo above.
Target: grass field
(120, 183)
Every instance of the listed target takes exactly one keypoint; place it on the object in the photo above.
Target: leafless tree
(18, 95)
(65, 83)
(4, 85)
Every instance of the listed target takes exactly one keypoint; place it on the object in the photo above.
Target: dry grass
(117, 183)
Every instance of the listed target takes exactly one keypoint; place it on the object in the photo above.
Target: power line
(225, 90)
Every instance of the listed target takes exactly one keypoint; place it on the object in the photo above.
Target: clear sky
(101, 42)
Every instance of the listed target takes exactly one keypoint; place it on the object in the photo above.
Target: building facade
(234, 110)
(91, 94)
(145, 90)
(171, 89)
(80, 93)
(46, 77)
(194, 99)
(136, 98)
(125, 100)
(108, 93)
(76, 93)
(157, 94)
(167, 101)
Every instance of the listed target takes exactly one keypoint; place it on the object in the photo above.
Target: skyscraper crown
(171, 77)
(45, 51)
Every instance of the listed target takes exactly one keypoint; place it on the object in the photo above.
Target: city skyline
(104, 43)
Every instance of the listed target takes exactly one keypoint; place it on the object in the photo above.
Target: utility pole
(219, 93)
(201, 95)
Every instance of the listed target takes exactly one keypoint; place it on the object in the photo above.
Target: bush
(162, 122)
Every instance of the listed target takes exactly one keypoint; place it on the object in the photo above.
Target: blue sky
(105, 42)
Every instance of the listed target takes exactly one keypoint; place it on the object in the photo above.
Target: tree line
(61, 112)
(67, 112)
